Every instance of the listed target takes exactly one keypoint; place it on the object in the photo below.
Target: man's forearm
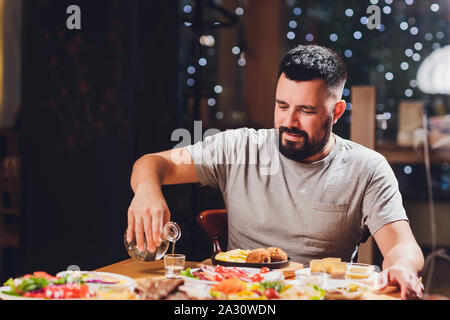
(148, 169)
(405, 254)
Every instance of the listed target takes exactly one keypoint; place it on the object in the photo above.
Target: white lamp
(433, 76)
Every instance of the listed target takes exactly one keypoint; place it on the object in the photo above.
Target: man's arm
(403, 258)
(148, 211)
(167, 167)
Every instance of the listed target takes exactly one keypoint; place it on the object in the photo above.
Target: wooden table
(141, 270)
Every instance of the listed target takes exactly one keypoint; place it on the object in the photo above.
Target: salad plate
(6, 296)
(97, 280)
(67, 285)
(210, 275)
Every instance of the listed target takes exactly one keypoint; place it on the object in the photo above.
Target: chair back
(215, 224)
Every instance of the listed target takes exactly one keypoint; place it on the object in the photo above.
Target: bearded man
(298, 186)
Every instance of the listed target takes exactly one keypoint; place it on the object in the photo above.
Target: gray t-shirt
(311, 211)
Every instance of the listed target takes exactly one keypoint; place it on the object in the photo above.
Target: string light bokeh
(386, 57)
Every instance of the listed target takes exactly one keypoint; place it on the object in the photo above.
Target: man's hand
(147, 214)
(148, 211)
(403, 259)
(410, 285)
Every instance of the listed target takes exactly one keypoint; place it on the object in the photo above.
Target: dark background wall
(95, 100)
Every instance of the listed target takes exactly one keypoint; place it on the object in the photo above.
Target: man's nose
(292, 119)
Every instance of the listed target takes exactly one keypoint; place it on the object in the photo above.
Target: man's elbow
(140, 160)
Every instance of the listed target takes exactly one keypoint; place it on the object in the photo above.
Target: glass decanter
(171, 232)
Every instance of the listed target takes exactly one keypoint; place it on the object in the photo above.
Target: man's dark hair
(304, 63)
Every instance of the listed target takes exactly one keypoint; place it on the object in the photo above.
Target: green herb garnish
(188, 273)
(277, 285)
(26, 285)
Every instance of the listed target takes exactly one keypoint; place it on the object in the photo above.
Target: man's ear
(338, 110)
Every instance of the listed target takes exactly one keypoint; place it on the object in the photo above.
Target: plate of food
(236, 289)
(347, 291)
(65, 285)
(271, 257)
(340, 280)
(41, 285)
(98, 279)
(211, 275)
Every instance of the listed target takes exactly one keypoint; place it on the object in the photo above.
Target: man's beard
(310, 146)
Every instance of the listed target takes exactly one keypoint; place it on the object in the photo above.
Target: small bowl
(312, 279)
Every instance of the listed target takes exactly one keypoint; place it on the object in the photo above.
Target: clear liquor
(173, 271)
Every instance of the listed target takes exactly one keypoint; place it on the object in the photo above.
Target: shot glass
(173, 264)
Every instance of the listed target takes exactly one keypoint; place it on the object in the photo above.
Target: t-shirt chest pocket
(330, 207)
(326, 221)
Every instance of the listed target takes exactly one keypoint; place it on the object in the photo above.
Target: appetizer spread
(328, 278)
(228, 289)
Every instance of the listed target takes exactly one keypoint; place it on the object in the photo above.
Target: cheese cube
(317, 266)
(338, 270)
(328, 262)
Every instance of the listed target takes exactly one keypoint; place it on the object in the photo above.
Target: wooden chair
(215, 224)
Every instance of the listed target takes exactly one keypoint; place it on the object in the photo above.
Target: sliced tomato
(42, 274)
(257, 277)
(239, 271)
(85, 291)
(68, 291)
(34, 294)
(271, 294)
(219, 269)
(218, 277)
(257, 292)
(264, 270)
